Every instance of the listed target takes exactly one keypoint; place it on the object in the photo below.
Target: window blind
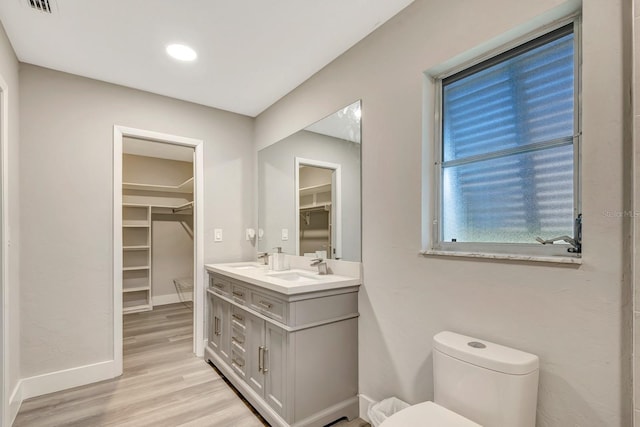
(507, 145)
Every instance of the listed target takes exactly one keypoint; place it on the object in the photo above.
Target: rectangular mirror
(309, 198)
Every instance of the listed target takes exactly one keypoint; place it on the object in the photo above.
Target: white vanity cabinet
(292, 356)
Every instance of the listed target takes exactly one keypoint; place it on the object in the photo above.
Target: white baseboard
(15, 401)
(365, 402)
(68, 378)
(171, 298)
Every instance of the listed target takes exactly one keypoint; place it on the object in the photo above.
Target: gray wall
(575, 319)
(276, 188)
(66, 204)
(172, 257)
(9, 72)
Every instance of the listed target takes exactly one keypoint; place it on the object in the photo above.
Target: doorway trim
(6, 418)
(119, 132)
(336, 198)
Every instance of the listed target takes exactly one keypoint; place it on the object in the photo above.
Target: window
(509, 133)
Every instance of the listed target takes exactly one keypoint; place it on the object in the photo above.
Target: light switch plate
(217, 235)
(285, 234)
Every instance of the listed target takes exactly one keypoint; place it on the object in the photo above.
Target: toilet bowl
(476, 383)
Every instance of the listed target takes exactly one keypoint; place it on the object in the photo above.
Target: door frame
(119, 132)
(336, 198)
(4, 255)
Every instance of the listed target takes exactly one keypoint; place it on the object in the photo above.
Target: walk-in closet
(157, 225)
(316, 218)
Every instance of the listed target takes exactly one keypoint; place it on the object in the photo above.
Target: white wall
(575, 319)
(9, 73)
(66, 201)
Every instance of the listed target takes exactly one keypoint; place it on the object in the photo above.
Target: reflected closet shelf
(136, 308)
(139, 288)
(138, 267)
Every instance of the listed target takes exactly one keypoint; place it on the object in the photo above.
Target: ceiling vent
(45, 6)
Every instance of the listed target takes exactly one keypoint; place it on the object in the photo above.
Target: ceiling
(250, 52)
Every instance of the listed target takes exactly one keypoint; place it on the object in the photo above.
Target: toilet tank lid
(485, 354)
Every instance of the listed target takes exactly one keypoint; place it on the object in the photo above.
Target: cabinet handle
(260, 358)
(236, 339)
(238, 317)
(238, 294)
(264, 365)
(216, 326)
(265, 304)
(218, 285)
(234, 360)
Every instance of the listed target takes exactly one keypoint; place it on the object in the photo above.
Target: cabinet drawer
(268, 306)
(239, 294)
(238, 363)
(238, 317)
(220, 286)
(238, 338)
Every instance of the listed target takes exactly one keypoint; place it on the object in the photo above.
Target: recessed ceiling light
(181, 52)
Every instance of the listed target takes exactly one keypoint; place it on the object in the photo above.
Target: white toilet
(476, 383)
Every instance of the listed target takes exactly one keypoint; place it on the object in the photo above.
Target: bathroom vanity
(288, 340)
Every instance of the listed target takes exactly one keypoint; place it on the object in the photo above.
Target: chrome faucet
(322, 266)
(264, 256)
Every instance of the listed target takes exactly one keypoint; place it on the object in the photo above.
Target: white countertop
(308, 280)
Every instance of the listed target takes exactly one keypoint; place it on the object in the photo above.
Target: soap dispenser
(279, 259)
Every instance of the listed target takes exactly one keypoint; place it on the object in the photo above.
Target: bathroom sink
(294, 276)
(249, 266)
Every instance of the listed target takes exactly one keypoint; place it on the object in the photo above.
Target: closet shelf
(136, 258)
(138, 267)
(136, 308)
(138, 289)
(185, 187)
(140, 205)
(314, 189)
(188, 205)
(315, 206)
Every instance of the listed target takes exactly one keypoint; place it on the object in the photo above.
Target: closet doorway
(318, 204)
(158, 199)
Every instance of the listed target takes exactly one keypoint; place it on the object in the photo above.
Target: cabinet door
(220, 327)
(225, 332)
(214, 324)
(255, 352)
(275, 368)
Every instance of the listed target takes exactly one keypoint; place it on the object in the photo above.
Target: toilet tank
(490, 384)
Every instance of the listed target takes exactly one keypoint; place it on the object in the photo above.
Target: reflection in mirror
(309, 190)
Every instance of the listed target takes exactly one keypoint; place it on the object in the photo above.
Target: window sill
(507, 257)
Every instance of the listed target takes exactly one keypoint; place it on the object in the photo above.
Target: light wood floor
(163, 385)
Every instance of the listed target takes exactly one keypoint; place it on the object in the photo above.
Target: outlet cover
(285, 234)
(217, 235)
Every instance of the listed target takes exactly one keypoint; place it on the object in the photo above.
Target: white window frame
(432, 155)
